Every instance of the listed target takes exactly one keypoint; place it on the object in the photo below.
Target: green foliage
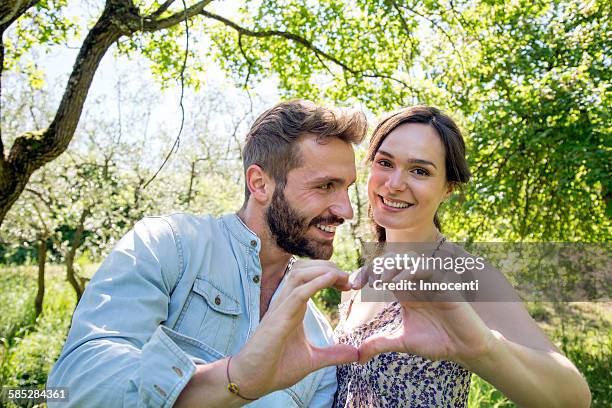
(16, 302)
(483, 394)
(534, 103)
(166, 52)
(528, 81)
(591, 353)
(351, 51)
(46, 25)
(30, 353)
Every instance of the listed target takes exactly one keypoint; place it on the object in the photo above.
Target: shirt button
(256, 278)
(178, 371)
(253, 243)
(217, 300)
(160, 391)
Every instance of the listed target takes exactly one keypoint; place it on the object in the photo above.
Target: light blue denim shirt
(176, 291)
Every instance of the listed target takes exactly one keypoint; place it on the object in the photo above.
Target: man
(180, 312)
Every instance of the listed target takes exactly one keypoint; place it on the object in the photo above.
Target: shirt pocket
(210, 315)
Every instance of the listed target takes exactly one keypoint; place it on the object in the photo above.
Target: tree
(529, 81)
(292, 35)
(532, 85)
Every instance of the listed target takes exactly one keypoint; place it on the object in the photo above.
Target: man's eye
(326, 186)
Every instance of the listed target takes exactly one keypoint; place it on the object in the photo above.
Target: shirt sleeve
(117, 353)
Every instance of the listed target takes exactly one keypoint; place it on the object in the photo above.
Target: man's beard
(289, 228)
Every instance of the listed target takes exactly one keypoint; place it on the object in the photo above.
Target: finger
(308, 263)
(334, 355)
(360, 279)
(300, 295)
(292, 303)
(379, 344)
(306, 274)
(389, 274)
(410, 293)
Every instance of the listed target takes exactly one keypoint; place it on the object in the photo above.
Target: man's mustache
(330, 219)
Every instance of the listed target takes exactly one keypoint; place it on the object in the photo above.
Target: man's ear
(260, 185)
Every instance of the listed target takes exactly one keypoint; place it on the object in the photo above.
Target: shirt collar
(241, 232)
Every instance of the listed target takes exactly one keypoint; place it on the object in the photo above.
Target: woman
(421, 354)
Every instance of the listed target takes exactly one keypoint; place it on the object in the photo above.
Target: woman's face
(407, 180)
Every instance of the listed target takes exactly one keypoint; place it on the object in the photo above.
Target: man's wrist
(232, 386)
(250, 385)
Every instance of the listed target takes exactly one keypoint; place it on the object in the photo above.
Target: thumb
(334, 355)
(360, 279)
(379, 344)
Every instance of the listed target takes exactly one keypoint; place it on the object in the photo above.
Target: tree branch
(162, 9)
(277, 33)
(150, 23)
(11, 10)
(177, 141)
(40, 197)
(439, 27)
(300, 40)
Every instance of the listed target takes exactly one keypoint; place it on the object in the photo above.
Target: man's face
(304, 215)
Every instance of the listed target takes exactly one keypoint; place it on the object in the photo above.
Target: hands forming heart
(446, 329)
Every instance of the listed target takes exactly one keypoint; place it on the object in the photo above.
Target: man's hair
(272, 141)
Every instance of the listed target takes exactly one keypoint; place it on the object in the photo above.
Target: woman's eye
(421, 172)
(384, 163)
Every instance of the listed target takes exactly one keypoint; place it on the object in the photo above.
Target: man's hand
(278, 354)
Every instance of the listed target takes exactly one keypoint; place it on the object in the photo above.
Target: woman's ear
(260, 185)
(450, 188)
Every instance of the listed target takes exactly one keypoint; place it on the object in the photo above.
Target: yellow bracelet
(232, 386)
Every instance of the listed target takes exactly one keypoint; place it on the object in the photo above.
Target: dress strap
(349, 306)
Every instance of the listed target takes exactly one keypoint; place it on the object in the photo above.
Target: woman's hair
(457, 169)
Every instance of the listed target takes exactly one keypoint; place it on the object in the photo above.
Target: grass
(31, 346)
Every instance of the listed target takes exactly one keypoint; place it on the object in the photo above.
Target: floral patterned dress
(395, 379)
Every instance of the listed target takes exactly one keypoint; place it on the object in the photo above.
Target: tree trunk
(42, 258)
(354, 227)
(32, 150)
(192, 175)
(75, 243)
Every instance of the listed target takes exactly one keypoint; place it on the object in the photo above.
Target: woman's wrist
(485, 358)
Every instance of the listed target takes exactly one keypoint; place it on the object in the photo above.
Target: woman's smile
(394, 205)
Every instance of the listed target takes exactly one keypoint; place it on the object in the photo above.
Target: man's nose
(396, 181)
(342, 206)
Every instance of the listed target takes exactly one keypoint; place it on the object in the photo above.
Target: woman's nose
(396, 181)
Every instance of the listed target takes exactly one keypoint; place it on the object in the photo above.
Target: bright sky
(134, 75)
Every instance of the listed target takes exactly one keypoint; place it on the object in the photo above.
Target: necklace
(273, 288)
(440, 243)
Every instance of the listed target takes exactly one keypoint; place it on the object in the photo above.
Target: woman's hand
(448, 328)
(435, 330)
